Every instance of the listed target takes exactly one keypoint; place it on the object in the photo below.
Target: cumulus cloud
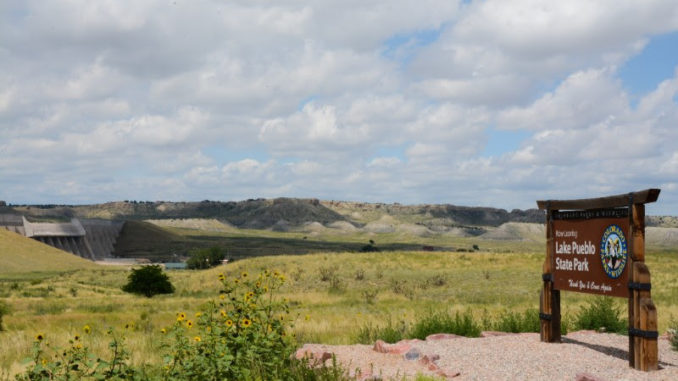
(379, 101)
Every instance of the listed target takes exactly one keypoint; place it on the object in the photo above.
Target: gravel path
(598, 356)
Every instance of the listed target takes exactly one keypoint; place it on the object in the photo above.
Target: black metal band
(543, 316)
(644, 334)
(547, 277)
(640, 286)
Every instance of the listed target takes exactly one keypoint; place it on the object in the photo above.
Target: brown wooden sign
(591, 252)
(597, 245)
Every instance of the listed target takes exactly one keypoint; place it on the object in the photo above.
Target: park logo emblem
(613, 251)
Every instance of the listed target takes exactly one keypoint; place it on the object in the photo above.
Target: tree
(148, 281)
(206, 258)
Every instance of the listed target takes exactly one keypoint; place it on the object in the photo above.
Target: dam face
(88, 238)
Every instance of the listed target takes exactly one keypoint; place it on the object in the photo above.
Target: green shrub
(442, 322)
(391, 333)
(75, 362)
(206, 258)
(242, 336)
(4, 310)
(148, 281)
(673, 334)
(601, 314)
(516, 322)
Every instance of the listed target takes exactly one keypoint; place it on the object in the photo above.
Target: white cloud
(384, 100)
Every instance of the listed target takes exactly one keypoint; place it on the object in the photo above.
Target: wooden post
(549, 303)
(648, 345)
(643, 332)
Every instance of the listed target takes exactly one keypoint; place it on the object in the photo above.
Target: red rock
(397, 348)
(314, 353)
(587, 377)
(442, 336)
(495, 333)
(448, 373)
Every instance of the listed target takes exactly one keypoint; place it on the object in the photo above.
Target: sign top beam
(640, 197)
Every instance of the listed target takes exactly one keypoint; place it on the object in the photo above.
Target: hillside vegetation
(333, 296)
(19, 254)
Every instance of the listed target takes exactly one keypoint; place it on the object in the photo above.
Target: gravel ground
(599, 356)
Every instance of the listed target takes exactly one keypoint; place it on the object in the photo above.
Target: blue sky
(494, 103)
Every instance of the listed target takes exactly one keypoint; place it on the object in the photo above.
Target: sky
(479, 103)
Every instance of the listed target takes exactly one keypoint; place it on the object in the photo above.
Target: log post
(549, 303)
(648, 344)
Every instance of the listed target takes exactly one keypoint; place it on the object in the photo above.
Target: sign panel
(591, 251)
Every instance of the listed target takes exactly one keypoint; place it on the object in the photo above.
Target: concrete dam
(92, 239)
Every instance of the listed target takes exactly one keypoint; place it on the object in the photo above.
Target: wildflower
(265, 288)
(76, 338)
(282, 317)
(282, 278)
(163, 331)
(229, 323)
(87, 329)
(250, 295)
(223, 313)
(197, 339)
(221, 276)
(307, 317)
(236, 281)
(181, 316)
(244, 275)
(246, 323)
(258, 284)
(44, 362)
(129, 326)
(198, 314)
(276, 273)
(222, 296)
(78, 346)
(39, 337)
(189, 324)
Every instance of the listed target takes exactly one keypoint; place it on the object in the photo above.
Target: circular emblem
(613, 252)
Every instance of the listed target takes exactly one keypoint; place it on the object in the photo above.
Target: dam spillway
(92, 239)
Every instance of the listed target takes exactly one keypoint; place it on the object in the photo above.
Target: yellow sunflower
(229, 323)
(245, 323)
(181, 316)
(197, 339)
(87, 329)
(40, 337)
(189, 324)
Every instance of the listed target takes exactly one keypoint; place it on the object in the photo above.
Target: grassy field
(333, 294)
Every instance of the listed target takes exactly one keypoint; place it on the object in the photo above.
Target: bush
(4, 310)
(391, 333)
(206, 258)
(75, 362)
(601, 314)
(242, 336)
(516, 322)
(441, 322)
(148, 281)
(673, 334)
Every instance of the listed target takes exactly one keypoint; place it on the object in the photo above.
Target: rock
(442, 336)
(398, 348)
(587, 377)
(448, 373)
(495, 333)
(412, 354)
(314, 353)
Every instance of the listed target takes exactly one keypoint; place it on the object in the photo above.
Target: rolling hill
(19, 254)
